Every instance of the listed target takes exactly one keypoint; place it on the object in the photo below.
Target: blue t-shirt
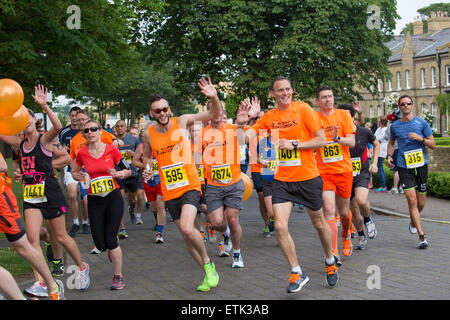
(400, 131)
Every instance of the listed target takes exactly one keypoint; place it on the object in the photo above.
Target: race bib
(356, 165)
(34, 193)
(414, 158)
(272, 165)
(125, 155)
(175, 176)
(221, 174)
(332, 153)
(289, 158)
(102, 186)
(201, 173)
(155, 168)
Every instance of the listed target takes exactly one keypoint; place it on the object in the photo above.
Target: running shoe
(296, 282)
(83, 278)
(58, 268)
(123, 234)
(412, 229)
(73, 231)
(117, 283)
(37, 290)
(59, 294)
(337, 258)
(423, 243)
(95, 251)
(347, 246)
(352, 232)
(139, 220)
(204, 286)
(371, 229)
(394, 190)
(238, 261)
(211, 275)
(400, 189)
(362, 243)
(221, 252)
(211, 233)
(227, 244)
(85, 229)
(381, 189)
(159, 238)
(203, 235)
(332, 273)
(266, 232)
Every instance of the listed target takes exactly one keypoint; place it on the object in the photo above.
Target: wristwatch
(338, 138)
(294, 144)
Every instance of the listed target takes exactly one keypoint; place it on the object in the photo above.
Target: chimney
(417, 27)
(438, 21)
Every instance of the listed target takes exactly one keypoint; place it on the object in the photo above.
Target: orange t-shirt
(79, 141)
(5, 180)
(334, 157)
(297, 122)
(221, 155)
(172, 151)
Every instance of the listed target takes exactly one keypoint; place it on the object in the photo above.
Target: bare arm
(376, 152)
(147, 157)
(136, 162)
(390, 151)
(62, 158)
(3, 165)
(41, 99)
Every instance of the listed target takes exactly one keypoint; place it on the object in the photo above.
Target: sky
(407, 10)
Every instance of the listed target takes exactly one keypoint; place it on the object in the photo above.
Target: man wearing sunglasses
(412, 135)
(169, 143)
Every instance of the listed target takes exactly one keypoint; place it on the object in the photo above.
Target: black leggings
(105, 214)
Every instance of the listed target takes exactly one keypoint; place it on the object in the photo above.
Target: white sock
(75, 221)
(297, 269)
(227, 232)
(138, 215)
(85, 222)
(236, 251)
(329, 261)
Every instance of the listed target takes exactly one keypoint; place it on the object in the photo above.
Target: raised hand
(357, 106)
(41, 95)
(207, 87)
(256, 108)
(242, 115)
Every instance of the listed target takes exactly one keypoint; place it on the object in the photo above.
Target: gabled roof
(424, 44)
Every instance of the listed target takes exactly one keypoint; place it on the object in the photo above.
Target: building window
(407, 78)
(433, 77)
(422, 78)
(380, 85)
(447, 74)
(423, 107)
(371, 115)
(389, 85)
(399, 80)
(379, 112)
(434, 114)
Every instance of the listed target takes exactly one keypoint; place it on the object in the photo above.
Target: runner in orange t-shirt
(168, 142)
(296, 131)
(335, 166)
(225, 188)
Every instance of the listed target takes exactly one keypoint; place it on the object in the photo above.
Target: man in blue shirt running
(412, 134)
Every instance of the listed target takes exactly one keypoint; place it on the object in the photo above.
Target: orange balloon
(14, 124)
(248, 186)
(11, 97)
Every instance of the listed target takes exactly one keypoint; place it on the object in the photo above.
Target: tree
(39, 44)
(247, 43)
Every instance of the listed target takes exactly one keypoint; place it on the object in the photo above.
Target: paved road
(166, 271)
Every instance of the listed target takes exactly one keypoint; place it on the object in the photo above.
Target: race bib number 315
(414, 158)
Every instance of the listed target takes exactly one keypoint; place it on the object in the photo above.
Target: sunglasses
(92, 129)
(405, 104)
(158, 111)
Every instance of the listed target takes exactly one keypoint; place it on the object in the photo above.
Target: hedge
(438, 183)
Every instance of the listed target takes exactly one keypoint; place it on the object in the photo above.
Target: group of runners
(191, 165)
